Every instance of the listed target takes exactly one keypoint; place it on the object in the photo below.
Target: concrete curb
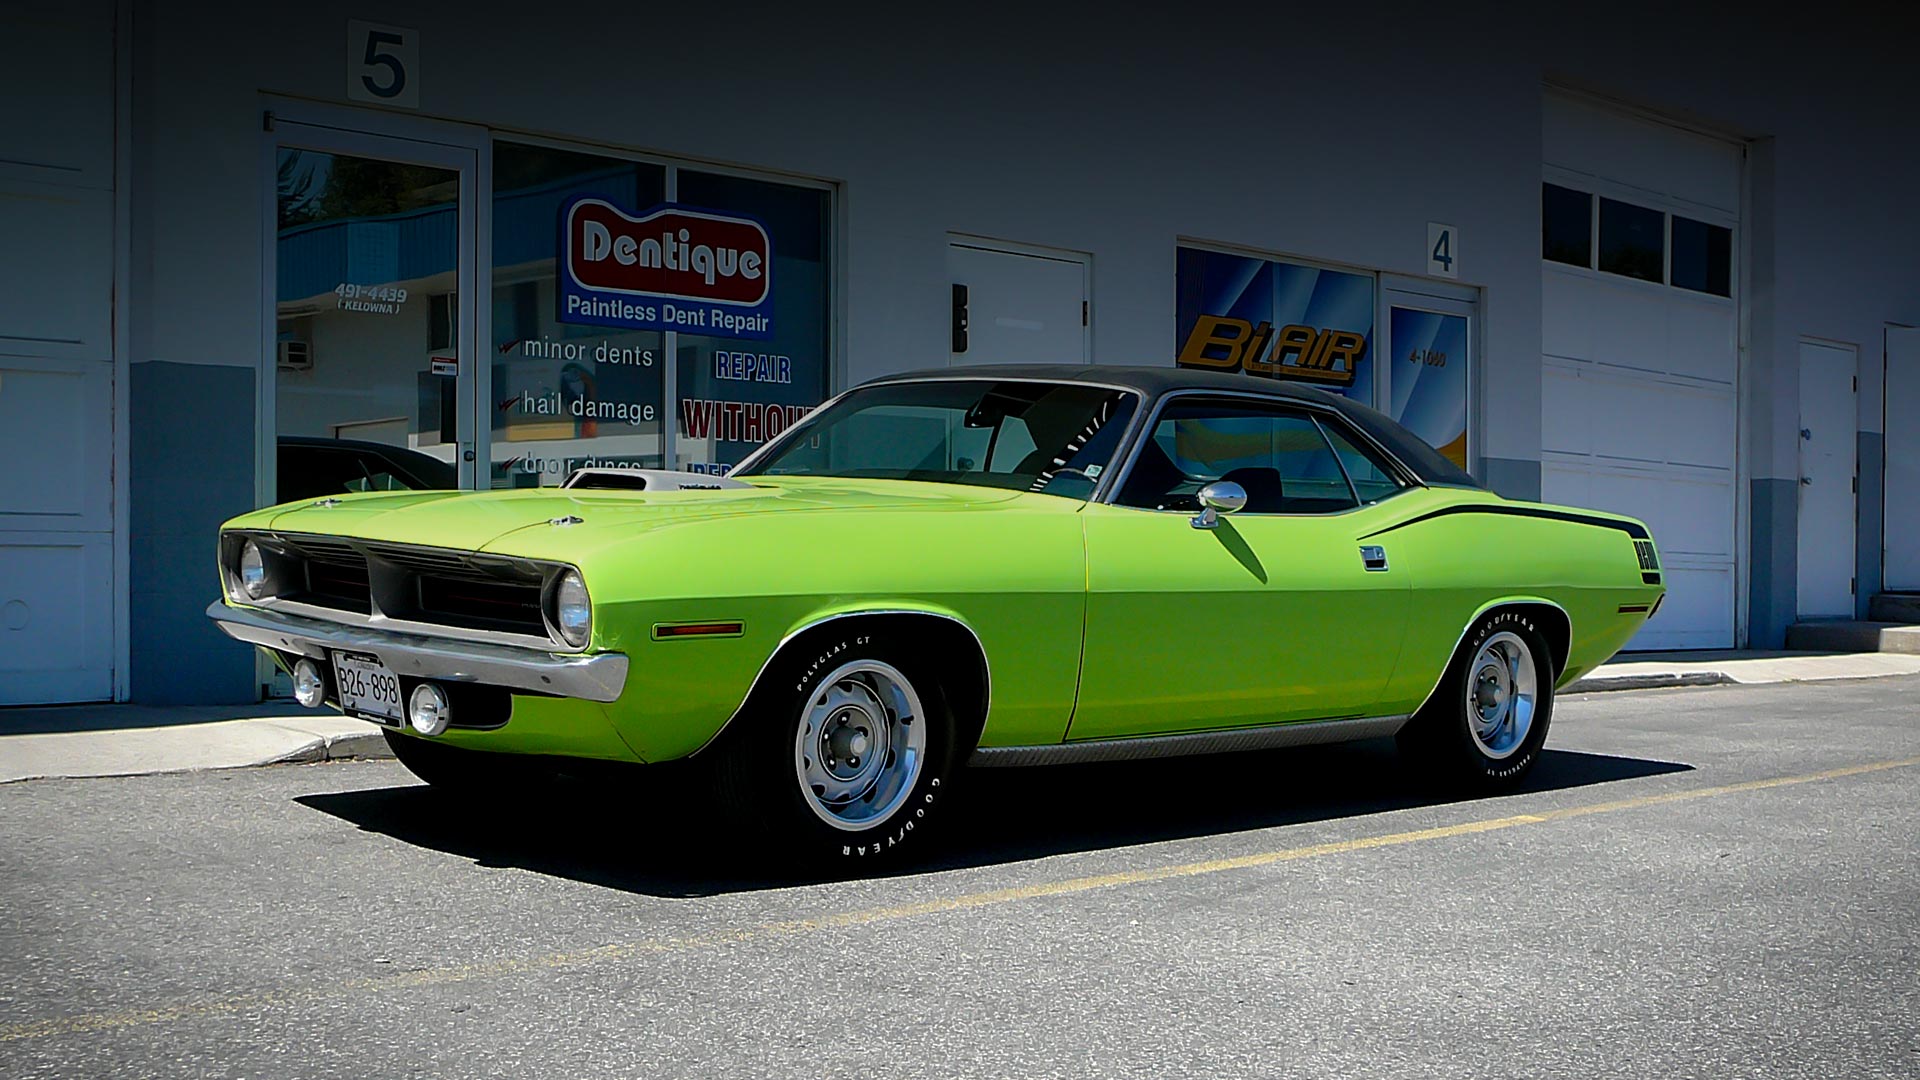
(361, 745)
(1593, 684)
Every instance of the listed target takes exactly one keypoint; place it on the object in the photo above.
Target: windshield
(1055, 438)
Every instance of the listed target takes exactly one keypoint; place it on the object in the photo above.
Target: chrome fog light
(253, 571)
(427, 709)
(573, 610)
(309, 686)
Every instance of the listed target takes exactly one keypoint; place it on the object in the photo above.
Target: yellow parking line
(254, 1002)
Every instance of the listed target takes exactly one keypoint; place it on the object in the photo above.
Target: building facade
(1659, 261)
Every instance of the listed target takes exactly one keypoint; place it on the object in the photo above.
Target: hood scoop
(605, 479)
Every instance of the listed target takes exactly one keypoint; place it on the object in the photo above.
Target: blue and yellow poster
(1276, 320)
(1429, 378)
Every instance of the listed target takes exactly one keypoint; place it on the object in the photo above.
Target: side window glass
(1372, 480)
(1280, 457)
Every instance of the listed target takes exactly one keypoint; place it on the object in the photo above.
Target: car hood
(489, 520)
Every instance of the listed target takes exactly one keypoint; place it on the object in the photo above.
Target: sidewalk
(132, 740)
(1643, 671)
(135, 740)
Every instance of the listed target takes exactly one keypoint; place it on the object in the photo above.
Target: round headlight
(253, 571)
(572, 610)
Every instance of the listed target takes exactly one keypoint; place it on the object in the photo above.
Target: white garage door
(56, 356)
(1639, 330)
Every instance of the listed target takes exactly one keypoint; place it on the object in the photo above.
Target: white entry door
(1902, 518)
(1017, 305)
(1829, 431)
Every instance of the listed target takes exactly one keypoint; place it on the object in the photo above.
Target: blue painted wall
(192, 464)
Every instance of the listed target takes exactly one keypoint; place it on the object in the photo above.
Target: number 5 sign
(383, 64)
(1443, 247)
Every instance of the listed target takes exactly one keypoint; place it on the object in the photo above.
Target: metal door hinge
(1083, 313)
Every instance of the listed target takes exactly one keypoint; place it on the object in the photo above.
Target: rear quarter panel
(1464, 562)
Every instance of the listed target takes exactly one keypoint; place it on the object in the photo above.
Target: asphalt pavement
(1710, 882)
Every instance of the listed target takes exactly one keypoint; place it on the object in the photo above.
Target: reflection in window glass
(565, 395)
(1702, 256)
(1280, 458)
(1566, 225)
(1632, 240)
(1052, 438)
(1371, 479)
(366, 258)
(736, 393)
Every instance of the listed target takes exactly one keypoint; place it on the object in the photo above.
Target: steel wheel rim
(1501, 694)
(861, 744)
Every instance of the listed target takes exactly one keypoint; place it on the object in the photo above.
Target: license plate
(366, 687)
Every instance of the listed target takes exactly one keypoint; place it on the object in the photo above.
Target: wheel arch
(966, 675)
(1555, 625)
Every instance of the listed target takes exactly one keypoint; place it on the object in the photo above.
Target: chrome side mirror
(1219, 497)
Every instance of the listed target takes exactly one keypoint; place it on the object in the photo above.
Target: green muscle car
(1001, 566)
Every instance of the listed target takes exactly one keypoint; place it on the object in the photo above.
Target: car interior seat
(1266, 494)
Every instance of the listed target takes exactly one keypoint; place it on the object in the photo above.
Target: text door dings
(374, 343)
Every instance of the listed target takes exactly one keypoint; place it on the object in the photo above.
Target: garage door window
(1635, 241)
(1632, 240)
(1702, 256)
(1566, 225)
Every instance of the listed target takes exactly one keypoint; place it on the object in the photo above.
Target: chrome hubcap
(861, 745)
(1502, 687)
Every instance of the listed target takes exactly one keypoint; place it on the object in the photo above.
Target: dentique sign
(670, 268)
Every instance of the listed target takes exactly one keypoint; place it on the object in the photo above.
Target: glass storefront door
(374, 358)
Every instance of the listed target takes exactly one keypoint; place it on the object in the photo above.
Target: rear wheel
(1485, 724)
(844, 755)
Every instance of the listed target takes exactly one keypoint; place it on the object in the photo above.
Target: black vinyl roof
(1153, 382)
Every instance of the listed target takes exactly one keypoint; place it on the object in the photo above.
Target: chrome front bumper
(599, 677)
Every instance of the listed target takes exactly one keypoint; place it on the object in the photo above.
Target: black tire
(1441, 738)
(459, 771)
(757, 765)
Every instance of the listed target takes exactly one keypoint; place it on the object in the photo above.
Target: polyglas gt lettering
(671, 251)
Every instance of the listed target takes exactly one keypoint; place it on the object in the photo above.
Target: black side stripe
(1638, 532)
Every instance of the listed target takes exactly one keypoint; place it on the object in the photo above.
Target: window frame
(1319, 413)
(1109, 479)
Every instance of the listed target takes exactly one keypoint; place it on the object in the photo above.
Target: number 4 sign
(1443, 247)
(383, 64)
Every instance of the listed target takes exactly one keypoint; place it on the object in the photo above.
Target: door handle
(1806, 481)
(1373, 557)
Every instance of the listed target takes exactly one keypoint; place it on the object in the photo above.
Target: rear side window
(1279, 455)
(1372, 479)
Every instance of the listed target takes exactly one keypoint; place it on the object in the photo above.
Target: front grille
(338, 585)
(511, 607)
(440, 586)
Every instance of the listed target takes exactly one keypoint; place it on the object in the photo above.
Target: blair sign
(671, 268)
(1276, 320)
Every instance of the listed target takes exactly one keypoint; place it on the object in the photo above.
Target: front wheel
(845, 754)
(1485, 724)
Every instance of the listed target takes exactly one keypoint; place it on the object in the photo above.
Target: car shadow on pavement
(621, 836)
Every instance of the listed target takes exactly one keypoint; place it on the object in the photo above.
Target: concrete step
(1841, 635)
(1895, 608)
